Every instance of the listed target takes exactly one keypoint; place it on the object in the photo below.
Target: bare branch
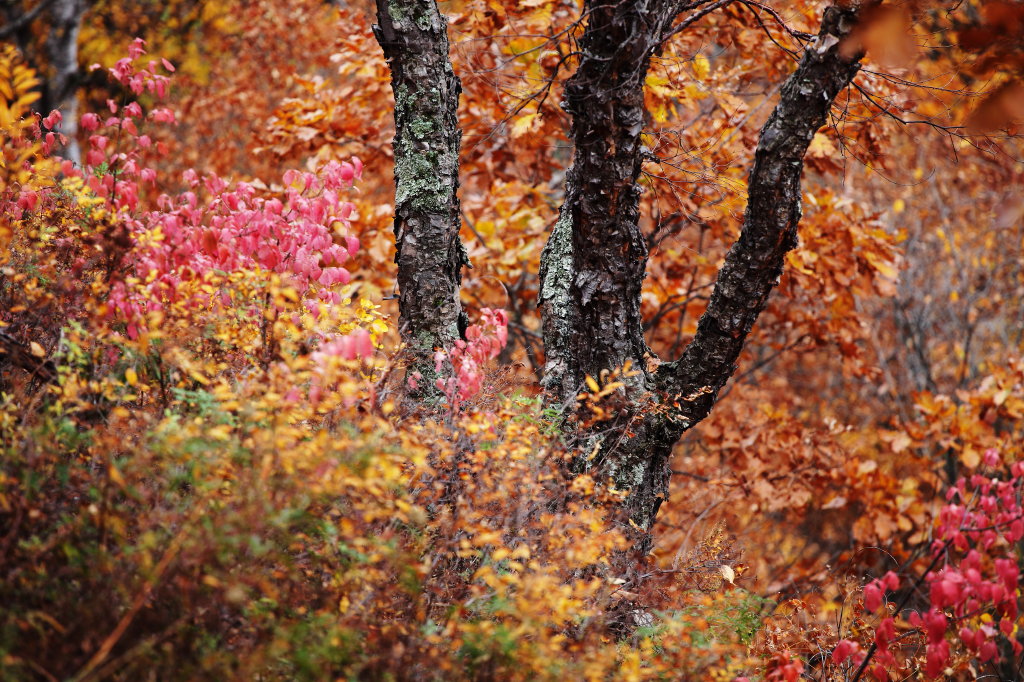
(24, 20)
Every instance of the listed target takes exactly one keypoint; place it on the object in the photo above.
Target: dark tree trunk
(430, 255)
(594, 264)
(595, 260)
(754, 264)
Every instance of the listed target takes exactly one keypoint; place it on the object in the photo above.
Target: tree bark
(754, 264)
(429, 253)
(594, 263)
(60, 88)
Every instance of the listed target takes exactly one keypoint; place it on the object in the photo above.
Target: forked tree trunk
(429, 253)
(594, 264)
(595, 261)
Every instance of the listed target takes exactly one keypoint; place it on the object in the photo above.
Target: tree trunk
(429, 253)
(595, 260)
(594, 263)
(60, 87)
(61, 90)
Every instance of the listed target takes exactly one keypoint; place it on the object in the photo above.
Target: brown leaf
(884, 33)
(1002, 108)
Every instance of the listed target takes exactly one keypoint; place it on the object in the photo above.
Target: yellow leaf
(612, 387)
(867, 466)
(899, 206)
(881, 265)
(796, 261)
(659, 112)
(701, 67)
(900, 443)
(115, 476)
(970, 457)
(821, 146)
(37, 350)
(131, 377)
(25, 100)
(592, 385)
(220, 432)
(524, 124)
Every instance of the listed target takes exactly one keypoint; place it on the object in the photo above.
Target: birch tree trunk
(60, 88)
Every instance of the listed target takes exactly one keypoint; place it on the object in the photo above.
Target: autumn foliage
(211, 463)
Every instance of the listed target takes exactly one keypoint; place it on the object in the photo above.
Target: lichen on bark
(428, 251)
(556, 279)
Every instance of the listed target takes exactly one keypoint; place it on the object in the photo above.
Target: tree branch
(755, 262)
(20, 355)
(23, 20)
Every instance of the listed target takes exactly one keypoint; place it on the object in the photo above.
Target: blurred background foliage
(182, 504)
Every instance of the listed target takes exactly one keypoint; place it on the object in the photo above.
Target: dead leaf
(1002, 108)
(728, 574)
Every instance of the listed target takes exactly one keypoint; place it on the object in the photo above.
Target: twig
(24, 20)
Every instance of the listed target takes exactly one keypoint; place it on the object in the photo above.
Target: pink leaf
(136, 49)
(872, 596)
(90, 122)
(885, 632)
(53, 120)
(27, 200)
(843, 650)
(162, 115)
(352, 244)
(935, 622)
